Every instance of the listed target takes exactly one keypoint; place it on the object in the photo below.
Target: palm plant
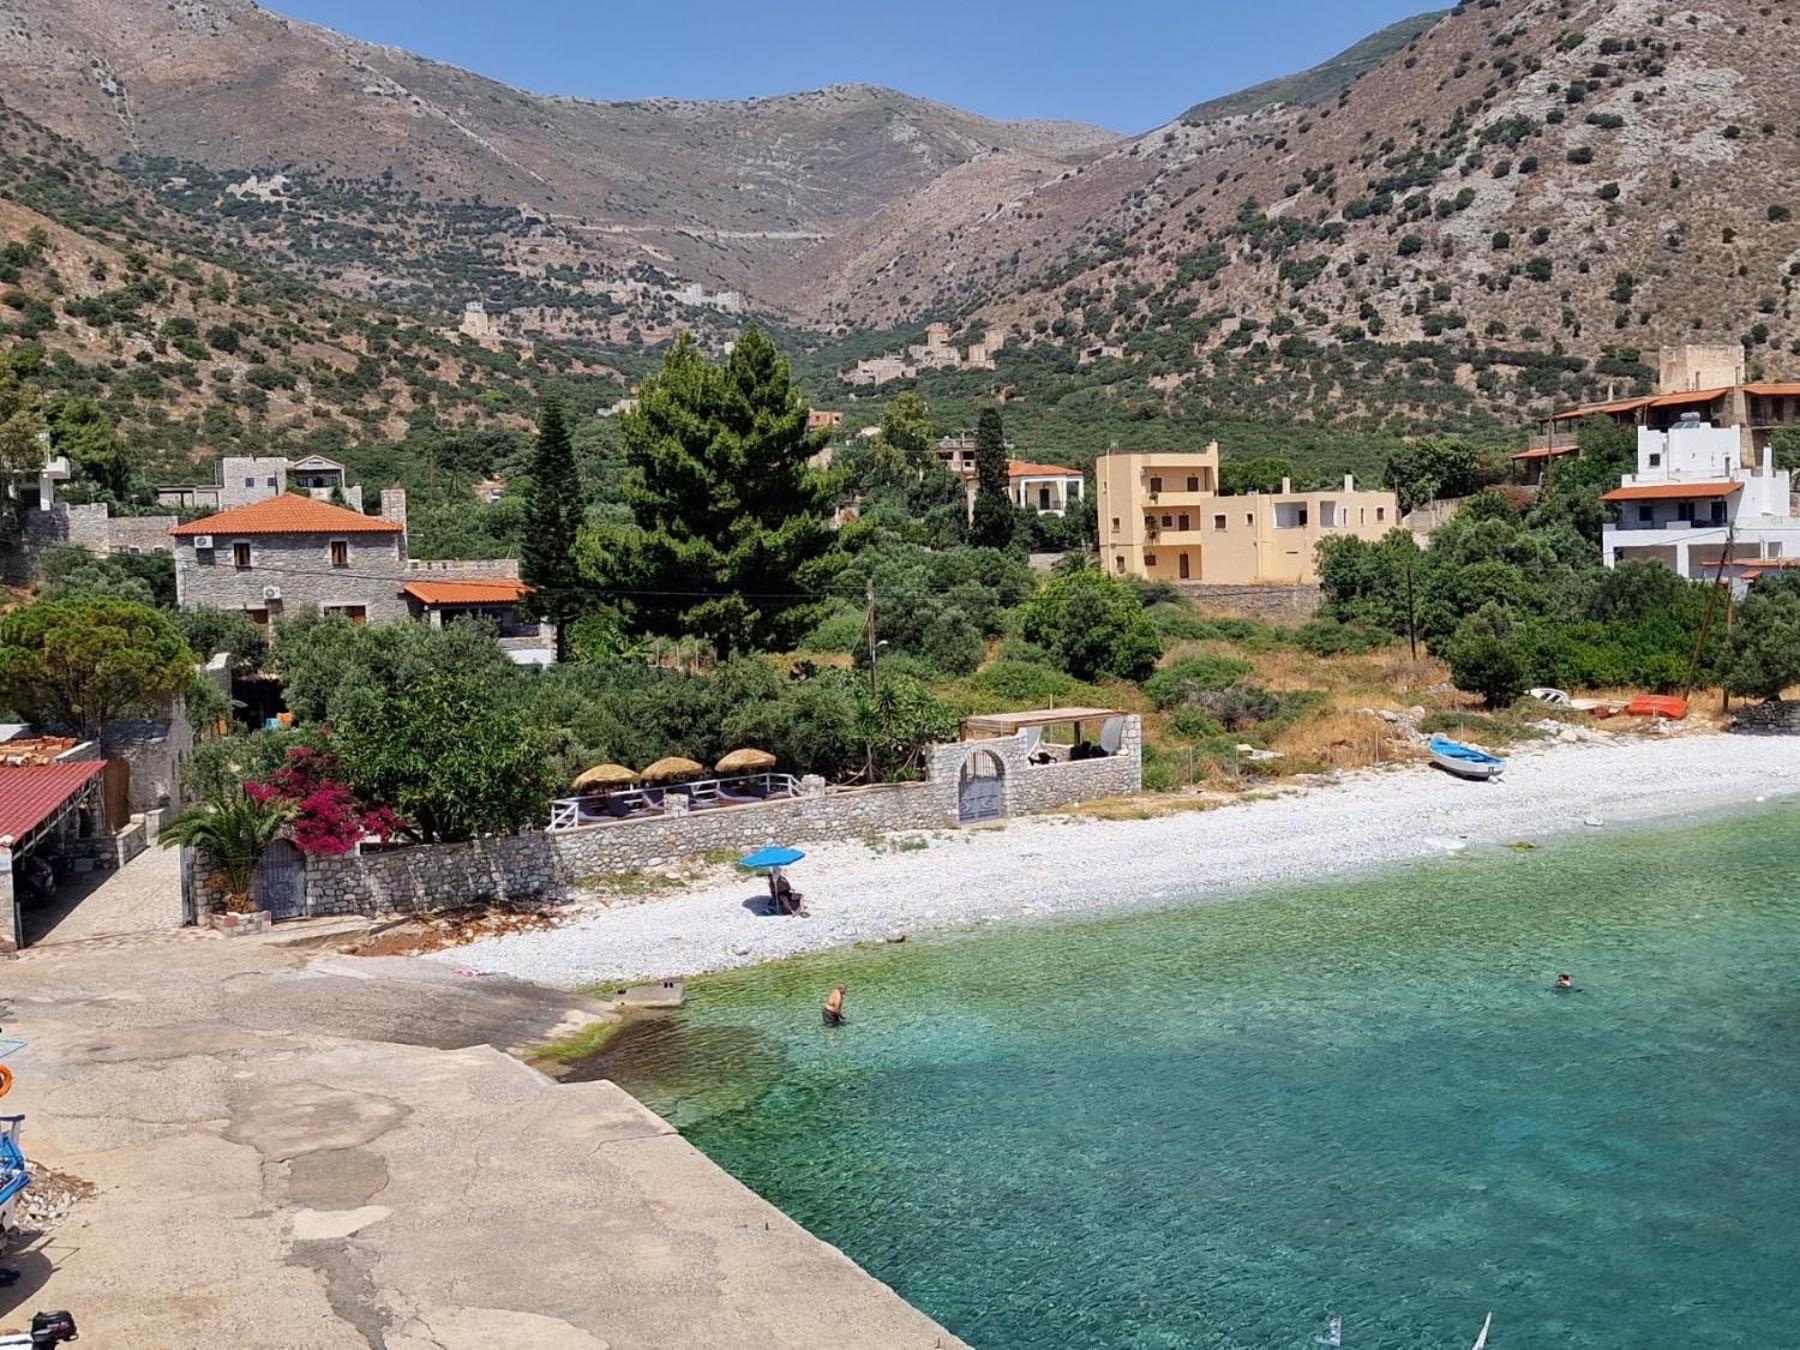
(231, 830)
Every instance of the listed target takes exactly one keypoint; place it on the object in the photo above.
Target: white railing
(648, 803)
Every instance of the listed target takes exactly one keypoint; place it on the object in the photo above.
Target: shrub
(1484, 659)
(1094, 626)
(1191, 724)
(1183, 684)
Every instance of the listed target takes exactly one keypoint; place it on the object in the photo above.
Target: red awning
(1672, 492)
(31, 793)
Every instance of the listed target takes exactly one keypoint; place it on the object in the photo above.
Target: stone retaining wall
(1300, 601)
(540, 865)
(1774, 718)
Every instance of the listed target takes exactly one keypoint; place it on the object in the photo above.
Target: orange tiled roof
(466, 592)
(287, 513)
(1024, 468)
(1686, 396)
(1601, 409)
(1664, 492)
(1773, 390)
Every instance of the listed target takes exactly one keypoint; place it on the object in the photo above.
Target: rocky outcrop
(1774, 718)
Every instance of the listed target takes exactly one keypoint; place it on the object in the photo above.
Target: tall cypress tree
(729, 521)
(554, 518)
(993, 523)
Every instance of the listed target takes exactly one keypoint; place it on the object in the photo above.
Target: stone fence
(539, 865)
(1299, 601)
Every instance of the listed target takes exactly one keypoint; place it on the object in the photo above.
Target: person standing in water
(834, 1006)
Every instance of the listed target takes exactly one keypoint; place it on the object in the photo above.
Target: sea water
(1222, 1124)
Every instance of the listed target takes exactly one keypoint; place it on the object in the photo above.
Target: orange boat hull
(1657, 705)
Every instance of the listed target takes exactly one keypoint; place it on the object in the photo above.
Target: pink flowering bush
(328, 819)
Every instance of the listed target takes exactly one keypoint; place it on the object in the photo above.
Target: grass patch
(1502, 728)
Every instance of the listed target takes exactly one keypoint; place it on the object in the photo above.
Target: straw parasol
(672, 767)
(740, 760)
(606, 775)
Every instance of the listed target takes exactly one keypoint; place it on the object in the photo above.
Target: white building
(1693, 495)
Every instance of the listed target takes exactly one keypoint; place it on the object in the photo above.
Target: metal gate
(979, 789)
(280, 885)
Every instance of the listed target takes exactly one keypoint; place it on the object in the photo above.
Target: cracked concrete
(338, 1153)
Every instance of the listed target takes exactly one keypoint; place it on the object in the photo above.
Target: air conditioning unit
(203, 541)
(271, 592)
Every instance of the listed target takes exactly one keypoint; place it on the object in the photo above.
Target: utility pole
(1412, 635)
(874, 704)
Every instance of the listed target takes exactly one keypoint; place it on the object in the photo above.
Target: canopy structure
(1012, 723)
(672, 767)
(739, 761)
(772, 856)
(606, 775)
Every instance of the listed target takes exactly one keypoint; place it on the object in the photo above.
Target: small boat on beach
(1465, 761)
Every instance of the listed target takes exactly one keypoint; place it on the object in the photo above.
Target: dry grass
(1345, 740)
(1151, 807)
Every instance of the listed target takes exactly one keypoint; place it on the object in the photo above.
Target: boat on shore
(1465, 761)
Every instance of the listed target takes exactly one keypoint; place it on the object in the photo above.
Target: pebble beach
(1040, 866)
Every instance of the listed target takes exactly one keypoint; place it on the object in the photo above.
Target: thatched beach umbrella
(673, 767)
(741, 761)
(606, 775)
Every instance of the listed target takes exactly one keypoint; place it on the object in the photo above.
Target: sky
(1125, 64)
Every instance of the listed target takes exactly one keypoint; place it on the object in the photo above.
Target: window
(1218, 522)
(240, 555)
(1381, 513)
(1655, 458)
(340, 552)
(1718, 513)
(1043, 499)
(1118, 564)
(1646, 513)
(1684, 512)
(1168, 521)
(270, 481)
(1155, 485)
(1249, 518)
(1193, 483)
(250, 482)
(1115, 524)
(1149, 560)
(357, 614)
(259, 617)
(1181, 523)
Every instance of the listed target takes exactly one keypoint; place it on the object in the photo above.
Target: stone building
(243, 479)
(288, 552)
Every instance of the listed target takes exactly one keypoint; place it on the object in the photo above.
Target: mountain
(1465, 217)
(106, 295)
(1322, 81)
(378, 172)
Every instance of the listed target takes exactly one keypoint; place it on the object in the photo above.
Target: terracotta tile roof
(287, 513)
(31, 794)
(466, 592)
(1687, 396)
(1773, 390)
(1601, 409)
(35, 749)
(1548, 452)
(1665, 492)
(1024, 468)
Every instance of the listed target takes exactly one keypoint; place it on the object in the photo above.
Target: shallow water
(1217, 1126)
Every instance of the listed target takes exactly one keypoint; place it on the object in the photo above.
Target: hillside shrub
(1183, 684)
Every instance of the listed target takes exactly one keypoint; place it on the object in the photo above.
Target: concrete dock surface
(298, 1150)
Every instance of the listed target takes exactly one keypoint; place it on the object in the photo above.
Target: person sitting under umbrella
(781, 891)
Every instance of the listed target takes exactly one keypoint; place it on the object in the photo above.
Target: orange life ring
(5, 1080)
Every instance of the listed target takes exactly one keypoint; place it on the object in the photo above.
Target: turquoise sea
(1220, 1125)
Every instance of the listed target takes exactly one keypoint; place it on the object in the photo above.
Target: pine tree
(729, 520)
(994, 519)
(554, 518)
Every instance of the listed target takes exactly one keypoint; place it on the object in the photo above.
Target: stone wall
(1299, 601)
(1774, 718)
(94, 528)
(466, 569)
(546, 866)
(300, 565)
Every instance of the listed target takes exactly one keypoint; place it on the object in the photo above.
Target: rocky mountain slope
(377, 171)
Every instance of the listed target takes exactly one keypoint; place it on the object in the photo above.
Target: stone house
(243, 479)
(289, 552)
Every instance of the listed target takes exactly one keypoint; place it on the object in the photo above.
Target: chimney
(1349, 482)
(393, 505)
(1287, 486)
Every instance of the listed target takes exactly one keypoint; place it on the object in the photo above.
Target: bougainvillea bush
(328, 817)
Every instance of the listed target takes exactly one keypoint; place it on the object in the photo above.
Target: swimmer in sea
(834, 1006)
(1565, 984)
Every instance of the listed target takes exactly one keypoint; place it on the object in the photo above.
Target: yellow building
(1161, 517)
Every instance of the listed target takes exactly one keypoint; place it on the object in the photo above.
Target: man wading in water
(834, 1006)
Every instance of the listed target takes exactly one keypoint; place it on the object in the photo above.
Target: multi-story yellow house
(1161, 517)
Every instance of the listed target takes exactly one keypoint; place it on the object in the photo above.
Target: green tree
(1432, 467)
(992, 526)
(454, 761)
(1092, 625)
(729, 522)
(231, 831)
(1765, 646)
(84, 432)
(1484, 657)
(906, 427)
(549, 564)
(85, 660)
(1261, 473)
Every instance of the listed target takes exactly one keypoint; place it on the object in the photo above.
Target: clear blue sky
(1126, 64)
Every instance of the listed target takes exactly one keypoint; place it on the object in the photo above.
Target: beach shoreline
(1067, 865)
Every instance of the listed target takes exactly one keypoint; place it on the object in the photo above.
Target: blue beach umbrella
(773, 856)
